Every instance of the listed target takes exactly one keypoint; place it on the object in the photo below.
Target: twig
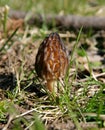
(68, 21)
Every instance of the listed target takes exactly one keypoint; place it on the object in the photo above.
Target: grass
(61, 6)
(27, 105)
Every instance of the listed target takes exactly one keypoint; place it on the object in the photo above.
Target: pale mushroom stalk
(52, 85)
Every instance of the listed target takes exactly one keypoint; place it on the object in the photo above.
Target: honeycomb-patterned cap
(52, 58)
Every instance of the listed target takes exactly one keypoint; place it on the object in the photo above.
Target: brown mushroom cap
(52, 59)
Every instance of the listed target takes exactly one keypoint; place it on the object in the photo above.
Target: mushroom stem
(52, 85)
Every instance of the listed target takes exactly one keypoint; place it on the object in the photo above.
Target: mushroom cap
(52, 58)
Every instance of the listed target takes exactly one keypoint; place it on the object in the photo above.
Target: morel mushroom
(51, 61)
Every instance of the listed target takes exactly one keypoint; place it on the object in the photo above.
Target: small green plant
(4, 18)
(7, 41)
(65, 103)
(3, 110)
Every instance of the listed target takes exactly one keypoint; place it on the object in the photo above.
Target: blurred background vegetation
(83, 7)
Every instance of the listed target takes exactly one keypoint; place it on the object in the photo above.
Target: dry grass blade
(8, 123)
(101, 116)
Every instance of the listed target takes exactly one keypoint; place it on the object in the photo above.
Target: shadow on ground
(9, 82)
